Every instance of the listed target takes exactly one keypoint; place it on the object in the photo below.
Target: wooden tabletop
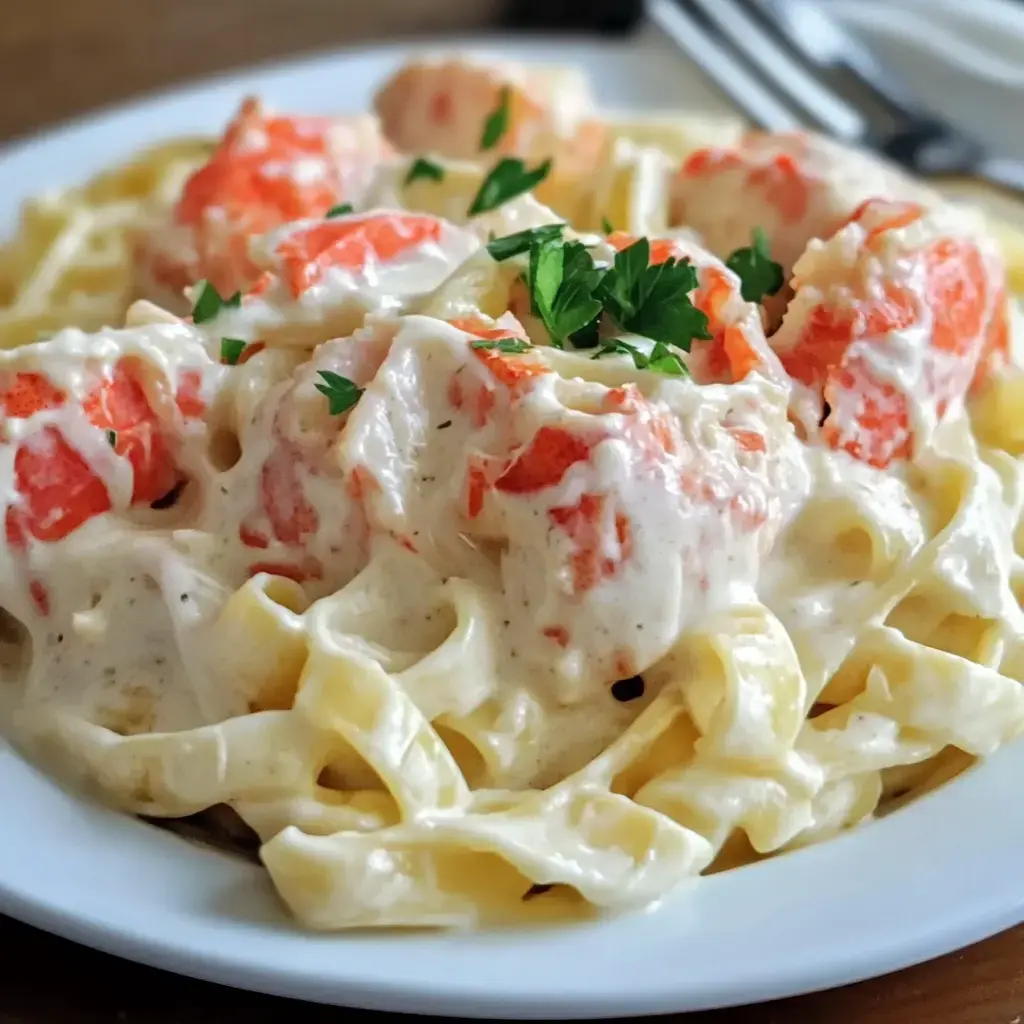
(61, 57)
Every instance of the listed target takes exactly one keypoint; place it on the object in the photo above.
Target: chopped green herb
(654, 301)
(759, 274)
(341, 392)
(424, 168)
(616, 346)
(507, 179)
(661, 359)
(209, 303)
(506, 247)
(339, 211)
(497, 121)
(231, 350)
(112, 438)
(606, 226)
(513, 346)
(571, 295)
(562, 280)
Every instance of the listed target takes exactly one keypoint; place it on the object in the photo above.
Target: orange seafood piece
(268, 170)
(442, 107)
(926, 307)
(58, 489)
(292, 518)
(583, 522)
(304, 509)
(794, 186)
(737, 346)
(120, 405)
(511, 369)
(350, 244)
(551, 453)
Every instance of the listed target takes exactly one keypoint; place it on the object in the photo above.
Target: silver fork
(788, 64)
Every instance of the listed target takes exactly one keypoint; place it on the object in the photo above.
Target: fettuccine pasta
(506, 511)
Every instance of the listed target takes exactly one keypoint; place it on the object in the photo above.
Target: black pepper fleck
(826, 411)
(628, 689)
(445, 425)
(184, 598)
(536, 890)
(170, 499)
(60, 638)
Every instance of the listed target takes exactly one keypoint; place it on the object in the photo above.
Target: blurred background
(59, 58)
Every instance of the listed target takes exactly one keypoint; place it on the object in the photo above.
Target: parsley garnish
(341, 392)
(512, 346)
(515, 245)
(573, 298)
(563, 279)
(339, 211)
(661, 359)
(759, 274)
(507, 179)
(209, 303)
(654, 301)
(606, 226)
(231, 349)
(112, 438)
(497, 121)
(424, 168)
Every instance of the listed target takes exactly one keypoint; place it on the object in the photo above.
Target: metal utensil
(789, 64)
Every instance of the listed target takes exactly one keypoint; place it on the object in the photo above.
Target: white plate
(941, 874)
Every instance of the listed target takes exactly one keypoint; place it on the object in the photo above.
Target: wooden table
(61, 57)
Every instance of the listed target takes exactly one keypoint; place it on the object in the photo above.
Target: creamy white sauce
(679, 502)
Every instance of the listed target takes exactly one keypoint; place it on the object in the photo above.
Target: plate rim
(981, 912)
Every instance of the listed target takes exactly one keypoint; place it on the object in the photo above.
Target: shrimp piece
(738, 346)
(111, 438)
(794, 186)
(891, 319)
(441, 106)
(267, 170)
(321, 278)
(301, 517)
(625, 517)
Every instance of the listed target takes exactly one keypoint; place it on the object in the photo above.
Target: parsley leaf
(341, 392)
(606, 226)
(230, 350)
(209, 303)
(424, 168)
(497, 121)
(616, 346)
(654, 301)
(666, 312)
(112, 438)
(562, 280)
(512, 346)
(621, 286)
(339, 211)
(661, 360)
(759, 274)
(507, 179)
(515, 245)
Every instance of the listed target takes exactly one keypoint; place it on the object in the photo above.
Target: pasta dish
(499, 510)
